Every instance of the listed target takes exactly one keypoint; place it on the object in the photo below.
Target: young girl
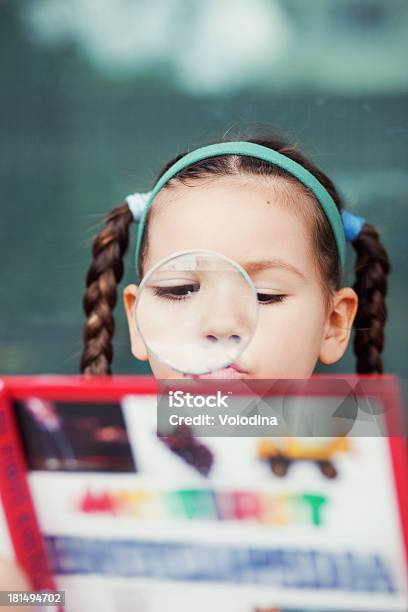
(261, 203)
(281, 226)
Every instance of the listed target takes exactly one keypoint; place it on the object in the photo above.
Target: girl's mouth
(232, 372)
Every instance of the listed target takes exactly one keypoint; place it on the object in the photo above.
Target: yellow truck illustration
(281, 452)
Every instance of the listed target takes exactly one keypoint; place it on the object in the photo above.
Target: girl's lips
(224, 373)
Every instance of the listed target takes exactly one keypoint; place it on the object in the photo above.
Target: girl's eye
(177, 292)
(270, 298)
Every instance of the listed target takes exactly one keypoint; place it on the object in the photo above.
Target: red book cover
(102, 505)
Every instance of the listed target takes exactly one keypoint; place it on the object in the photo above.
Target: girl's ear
(338, 326)
(138, 346)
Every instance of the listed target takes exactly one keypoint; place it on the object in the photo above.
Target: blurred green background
(96, 96)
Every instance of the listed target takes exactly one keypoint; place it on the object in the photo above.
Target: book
(101, 502)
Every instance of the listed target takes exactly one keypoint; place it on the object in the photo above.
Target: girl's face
(258, 227)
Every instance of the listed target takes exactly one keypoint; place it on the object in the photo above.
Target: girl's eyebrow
(257, 266)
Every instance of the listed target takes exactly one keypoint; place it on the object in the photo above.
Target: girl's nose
(223, 322)
(224, 338)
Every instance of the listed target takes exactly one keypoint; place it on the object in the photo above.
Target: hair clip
(137, 203)
(352, 225)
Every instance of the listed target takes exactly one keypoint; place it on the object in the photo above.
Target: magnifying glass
(196, 311)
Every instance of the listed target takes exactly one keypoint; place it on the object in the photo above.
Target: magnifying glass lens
(196, 311)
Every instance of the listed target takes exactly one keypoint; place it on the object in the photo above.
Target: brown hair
(371, 266)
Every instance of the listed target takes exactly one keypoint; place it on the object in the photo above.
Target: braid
(372, 268)
(100, 296)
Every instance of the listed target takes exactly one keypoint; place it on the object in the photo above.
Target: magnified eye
(270, 298)
(177, 292)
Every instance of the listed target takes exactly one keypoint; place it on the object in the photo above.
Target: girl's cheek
(286, 339)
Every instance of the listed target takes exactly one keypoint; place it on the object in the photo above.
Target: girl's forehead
(222, 196)
(239, 219)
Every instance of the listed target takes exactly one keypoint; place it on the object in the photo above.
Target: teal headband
(251, 149)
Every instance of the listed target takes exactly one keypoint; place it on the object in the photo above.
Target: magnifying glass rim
(235, 265)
